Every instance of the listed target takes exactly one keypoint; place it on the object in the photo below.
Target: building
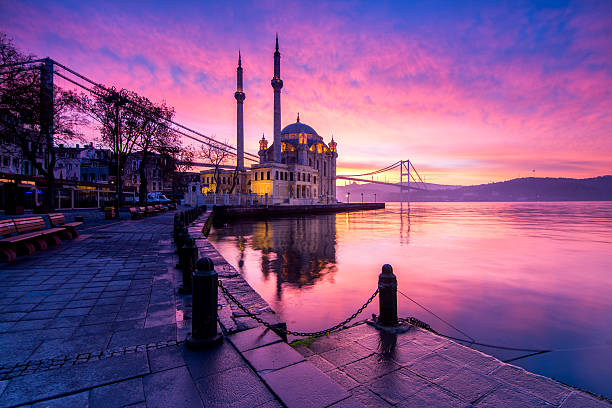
(159, 178)
(298, 167)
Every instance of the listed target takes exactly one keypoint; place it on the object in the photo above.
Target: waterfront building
(298, 167)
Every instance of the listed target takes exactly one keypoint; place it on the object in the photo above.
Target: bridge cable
(210, 139)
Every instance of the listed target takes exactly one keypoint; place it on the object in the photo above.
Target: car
(158, 197)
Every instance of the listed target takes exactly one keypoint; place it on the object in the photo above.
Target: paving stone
(40, 314)
(545, 388)
(468, 384)
(422, 338)
(60, 322)
(70, 347)
(61, 381)
(434, 396)
(80, 400)
(303, 350)
(302, 385)
(222, 390)
(397, 386)
(408, 353)
(362, 397)
(166, 358)
(582, 400)
(143, 336)
(320, 363)
(272, 357)
(217, 360)
(433, 366)
(370, 368)
(117, 395)
(325, 343)
(79, 311)
(252, 338)
(347, 354)
(508, 397)
(342, 379)
(475, 359)
(171, 388)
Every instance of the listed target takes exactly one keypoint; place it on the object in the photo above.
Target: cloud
(472, 92)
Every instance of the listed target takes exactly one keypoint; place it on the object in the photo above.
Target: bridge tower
(405, 187)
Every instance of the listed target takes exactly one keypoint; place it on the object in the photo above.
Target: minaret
(277, 84)
(240, 96)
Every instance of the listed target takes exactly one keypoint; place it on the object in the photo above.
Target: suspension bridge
(409, 178)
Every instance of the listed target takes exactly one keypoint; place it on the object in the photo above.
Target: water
(532, 275)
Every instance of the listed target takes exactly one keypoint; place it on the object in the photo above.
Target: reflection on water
(535, 275)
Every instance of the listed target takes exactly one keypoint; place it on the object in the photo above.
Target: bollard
(204, 332)
(188, 261)
(181, 236)
(387, 296)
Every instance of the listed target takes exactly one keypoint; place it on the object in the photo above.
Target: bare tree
(34, 115)
(180, 161)
(215, 154)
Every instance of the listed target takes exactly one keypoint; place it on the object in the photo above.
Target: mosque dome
(298, 127)
(299, 132)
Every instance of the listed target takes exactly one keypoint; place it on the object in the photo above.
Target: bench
(58, 220)
(136, 213)
(31, 233)
(154, 210)
(146, 211)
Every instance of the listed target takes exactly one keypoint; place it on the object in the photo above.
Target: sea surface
(533, 276)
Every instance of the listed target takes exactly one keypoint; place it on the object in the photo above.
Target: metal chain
(295, 333)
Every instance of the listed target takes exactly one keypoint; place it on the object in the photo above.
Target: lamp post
(348, 197)
(118, 98)
(361, 198)
(374, 197)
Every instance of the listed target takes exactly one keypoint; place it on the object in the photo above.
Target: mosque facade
(297, 167)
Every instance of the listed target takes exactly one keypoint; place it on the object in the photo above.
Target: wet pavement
(98, 322)
(93, 322)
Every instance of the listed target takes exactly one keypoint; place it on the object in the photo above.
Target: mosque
(297, 168)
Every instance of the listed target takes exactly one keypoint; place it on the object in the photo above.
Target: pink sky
(470, 94)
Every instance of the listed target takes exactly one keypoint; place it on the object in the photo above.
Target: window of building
(299, 177)
(291, 176)
(309, 177)
(315, 179)
(268, 175)
(310, 162)
(255, 176)
(276, 175)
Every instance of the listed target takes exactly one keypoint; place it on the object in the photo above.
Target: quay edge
(229, 212)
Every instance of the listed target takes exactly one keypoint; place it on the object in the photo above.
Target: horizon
(470, 94)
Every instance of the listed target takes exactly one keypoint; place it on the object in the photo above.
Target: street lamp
(348, 197)
(374, 197)
(361, 198)
(118, 98)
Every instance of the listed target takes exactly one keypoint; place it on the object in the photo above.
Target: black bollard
(181, 236)
(387, 296)
(204, 332)
(188, 258)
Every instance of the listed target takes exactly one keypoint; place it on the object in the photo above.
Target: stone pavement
(93, 322)
(421, 369)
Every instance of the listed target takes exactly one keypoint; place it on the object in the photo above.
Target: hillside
(521, 189)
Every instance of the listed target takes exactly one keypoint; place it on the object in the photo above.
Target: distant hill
(520, 189)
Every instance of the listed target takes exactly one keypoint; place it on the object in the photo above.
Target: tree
(119, 127)
(35, 115)
(215, 154)
(180, 161)
(153, 135)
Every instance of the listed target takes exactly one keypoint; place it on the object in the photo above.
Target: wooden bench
(58, 220)
(136, 213)
(146, 212)
(31, 233)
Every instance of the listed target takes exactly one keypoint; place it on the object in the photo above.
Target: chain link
(291, 332)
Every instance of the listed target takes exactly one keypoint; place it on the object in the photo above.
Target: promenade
(98, 322)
